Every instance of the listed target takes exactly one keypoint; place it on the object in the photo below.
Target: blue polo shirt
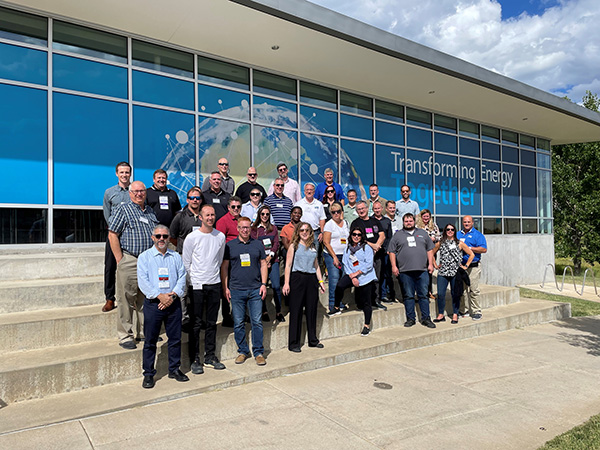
(281, 208)
(244, 263)
(473, 239)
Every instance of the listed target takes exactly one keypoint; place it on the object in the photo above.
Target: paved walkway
(512, 390)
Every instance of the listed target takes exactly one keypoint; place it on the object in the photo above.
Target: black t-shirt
(386, 227)
(219, 201)
(370, 227)
(243, 191)
(164, 203)
(244, 262)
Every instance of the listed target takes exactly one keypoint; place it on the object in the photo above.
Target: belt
(474, 264)
(128, 253)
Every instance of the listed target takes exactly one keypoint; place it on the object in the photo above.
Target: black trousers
(304, 295)
(110, 272)
(153, 320)
(362, 296)
(208, 297)
(378, 265)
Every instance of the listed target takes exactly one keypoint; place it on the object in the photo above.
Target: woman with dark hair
(263, 230)
(335, 240)
(451, 254)
(328, 201)
(303, 281)
(359, 272)
(426, 222)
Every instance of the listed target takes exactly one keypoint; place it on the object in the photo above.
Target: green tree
(576, 197)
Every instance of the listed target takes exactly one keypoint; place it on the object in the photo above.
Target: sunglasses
(404, 192)
(305, 230)
(281, 169)
(194, 198)
(450, 229)
(278, 185)
(255, 194)
(330, 192)
(357, 234)
(336, 211)
(161, 236)
(266, 214)
(235, 206)
(252, 174)
(223, 164)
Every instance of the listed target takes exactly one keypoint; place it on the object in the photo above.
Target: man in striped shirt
(281, 206)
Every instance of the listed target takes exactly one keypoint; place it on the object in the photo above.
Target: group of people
(179, 267)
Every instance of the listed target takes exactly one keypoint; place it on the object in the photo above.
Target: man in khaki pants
(130, 234)
(477, 242)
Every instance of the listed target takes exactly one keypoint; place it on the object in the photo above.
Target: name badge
(164, 202)
(452, 246)
(354, 260)
(369, 233)
(342, 240)
(411, 241)
(280, 205)
(267, 243)
(216, 200)
(245, 259)
(462, 240)
(144, 220)
(163, 278)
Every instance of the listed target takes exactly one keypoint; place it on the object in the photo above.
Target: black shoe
(279, 317)
(227, 322)
(128, 345)
(319, 345)
(265, 317)
(428, 323)
(443, 319)
(387, 300)
(380, 305)
(409, 323)
(148, 382)
(214, 361)
(197, 368)
(454, 322)
(295, 349)
(334, 312)
(178, 375)
(365, 331)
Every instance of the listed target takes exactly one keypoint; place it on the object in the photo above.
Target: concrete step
(55, 327)
(126, 392)
(39, 373)
(32, 295)
(51, 265)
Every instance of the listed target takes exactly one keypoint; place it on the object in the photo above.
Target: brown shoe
(108, 306)
(241, 358)
(260, 360)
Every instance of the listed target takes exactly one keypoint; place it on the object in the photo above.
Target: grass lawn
(561, 263)
(579, 307)
(583, 437)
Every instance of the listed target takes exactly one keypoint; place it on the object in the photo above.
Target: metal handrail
(562, 285)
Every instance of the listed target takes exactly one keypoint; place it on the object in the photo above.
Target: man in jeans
(202, 256)
(411, 256)
(246, 286)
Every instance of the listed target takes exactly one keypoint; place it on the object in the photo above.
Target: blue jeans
(442, 284)
(239, 300)
(415, 281)
(334, 276)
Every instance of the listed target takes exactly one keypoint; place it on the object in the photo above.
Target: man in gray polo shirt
(411, 257)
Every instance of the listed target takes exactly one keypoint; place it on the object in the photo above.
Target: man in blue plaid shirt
(130, 234)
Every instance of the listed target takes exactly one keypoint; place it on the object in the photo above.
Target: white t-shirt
(312, 212)
(339, 236)
(202, 257)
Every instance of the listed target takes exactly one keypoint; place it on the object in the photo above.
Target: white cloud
(558, 51)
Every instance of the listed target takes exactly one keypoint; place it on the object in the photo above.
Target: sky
(553, 45)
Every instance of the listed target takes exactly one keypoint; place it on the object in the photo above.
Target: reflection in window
(356, 127)
(546, 226)
(317, 153)
(87, 41)
(528, 192)
(419, 177)
(544, 192)
(527, 142)
(23, 226)
(390, 163)
(492, 225)
(510, 190)
(490, 133)
(470, 195)
(418, 118)
(23, 27)
(274, 112)
(469, 147)
(510, 137)
(510, 154)
(444, 123)
(89, 76)
(447, 196)
(223, 102)
(543, 144)
(543, 161)
(318, 120)
(162, 59)
(356, 161)
(442, 221)
(318, 95)
(389, 111)
(271, 147)
(527, 158)
(490, 151)
(270, 84)
(389, 133)
(512, 226)
(530, 226)
(166, 91)
(356, 104)
(26, 64)
(221, 72)
(491, 177)
(469, 129)
(76, 225)
(418, 138)
(445, 143)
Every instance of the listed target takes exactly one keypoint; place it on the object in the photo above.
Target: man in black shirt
(216, 196)
(243, 190)
(161, 199)
(382, 275)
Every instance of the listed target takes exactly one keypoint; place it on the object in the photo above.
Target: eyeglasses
(357, 234)
(223, 164)
(235, 206)
(278, 185)
(281, 169)
(265, 214)
(140, 192)
(305, 230)
(404, 192)
(336, 211)
(161, 236)
(255, 194)
(252, 174)
(194, 198)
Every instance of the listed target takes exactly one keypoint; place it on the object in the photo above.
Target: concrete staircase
(65, 353)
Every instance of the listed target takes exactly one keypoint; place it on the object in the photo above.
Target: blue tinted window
(543, 161)
(510, 154)
(390, 171)
(511, 190)
(469, 147)
(418, 138)
(492, 181)
(271, 147)
(445, 143)
(224, 138)
(160, 90)
(315, 119)
(165, 140)
(528, 192)
(389, 133)
(89, 76)
(223, 102)
(90, 137)
(470, 191)
(527, 158)
(317, 153)
(356, 127)
(490, 151)
(274, 112)
(23, 64)
(24, 147)
(357, 166)
(447, 195)
(419, 177)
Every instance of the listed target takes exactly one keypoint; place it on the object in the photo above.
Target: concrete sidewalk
(568, 290)
(510, 390)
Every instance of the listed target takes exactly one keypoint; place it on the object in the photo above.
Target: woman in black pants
(359, 272)
(303, 281)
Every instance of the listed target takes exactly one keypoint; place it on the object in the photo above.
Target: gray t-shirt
(411, 249)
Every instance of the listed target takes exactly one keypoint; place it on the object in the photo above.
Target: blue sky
(553, 45)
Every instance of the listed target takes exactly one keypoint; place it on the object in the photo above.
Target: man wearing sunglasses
(478, 244)
(227, 183)
(161, 278)
(291, 189)
(243, 191)
(280, 204)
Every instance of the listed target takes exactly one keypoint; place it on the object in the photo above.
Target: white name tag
(353, 259)
(280, 205)
(370, 235)
(164, 202)
(144, 220)
(216, 200)
(163, 277)
(452, 246)
(267, 243)
(245, 259)
(411, 241)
